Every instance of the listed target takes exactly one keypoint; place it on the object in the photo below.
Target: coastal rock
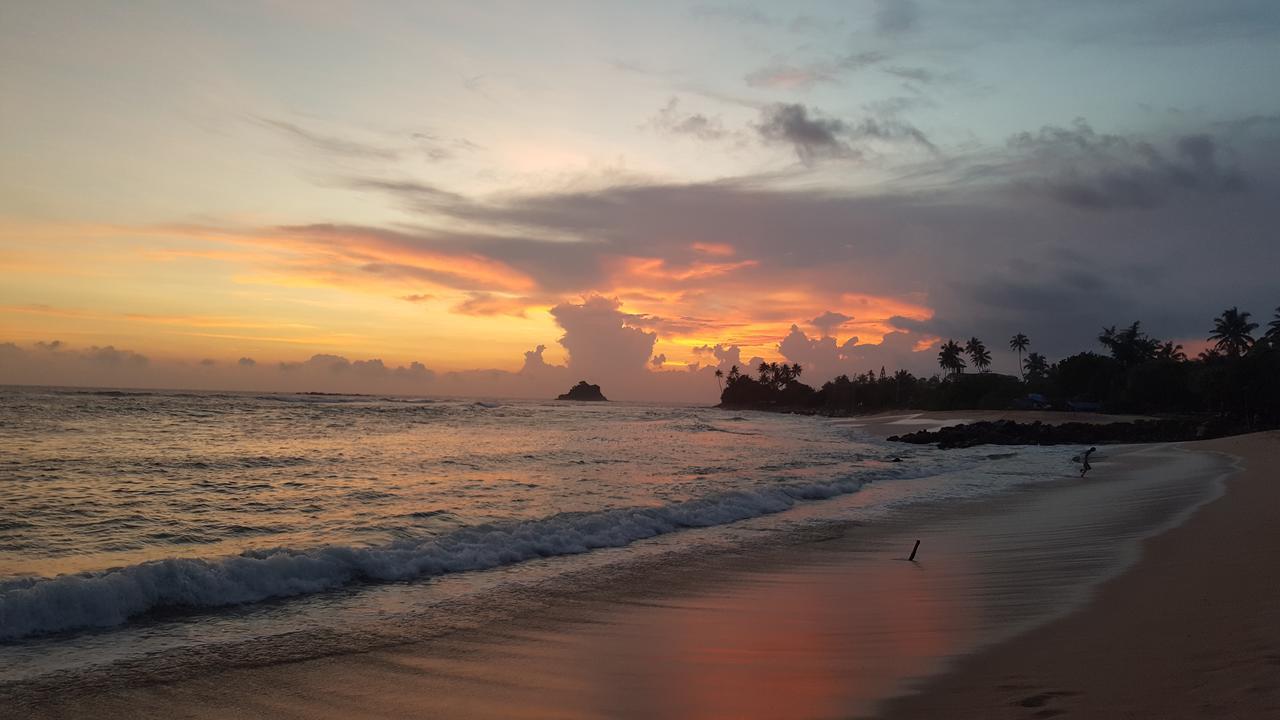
(1010, 432)
(585, 392)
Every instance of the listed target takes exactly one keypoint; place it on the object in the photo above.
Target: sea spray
(113, 597)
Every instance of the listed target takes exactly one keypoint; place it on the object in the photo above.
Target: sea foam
(113, 597)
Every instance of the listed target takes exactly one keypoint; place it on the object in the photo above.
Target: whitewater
(126, 515)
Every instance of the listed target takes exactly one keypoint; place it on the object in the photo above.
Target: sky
(493, 198)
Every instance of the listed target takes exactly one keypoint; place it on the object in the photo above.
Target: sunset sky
(276, 194)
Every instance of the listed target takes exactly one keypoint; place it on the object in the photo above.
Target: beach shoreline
(1192, 630)
(467, 671)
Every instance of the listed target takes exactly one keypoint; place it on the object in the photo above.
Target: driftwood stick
(913, 551)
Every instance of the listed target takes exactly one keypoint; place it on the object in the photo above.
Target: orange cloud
(659, 269)
(706, 298)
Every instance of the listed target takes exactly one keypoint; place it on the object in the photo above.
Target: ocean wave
(105, 599)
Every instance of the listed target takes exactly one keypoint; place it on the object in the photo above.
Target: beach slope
(1191, 631)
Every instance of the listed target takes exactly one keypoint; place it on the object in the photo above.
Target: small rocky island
(584, 391)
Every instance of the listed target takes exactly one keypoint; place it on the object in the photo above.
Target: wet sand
(820, 629)
(1192, 631)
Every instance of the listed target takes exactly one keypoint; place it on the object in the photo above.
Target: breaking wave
(35, 606)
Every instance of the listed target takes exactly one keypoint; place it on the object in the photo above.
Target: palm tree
(1129, 346)
(719, 374)
(1210, 355)
(1171, 351)
(1020, 343)
(1232, 332)
(1273, 330)
(949, 357)
(978, 353)
(1037, 368)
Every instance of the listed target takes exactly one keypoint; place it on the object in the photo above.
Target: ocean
(241, 527)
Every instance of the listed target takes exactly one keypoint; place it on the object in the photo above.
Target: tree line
(1238, 375)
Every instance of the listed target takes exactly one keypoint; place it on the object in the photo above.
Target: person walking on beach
(1084, 461)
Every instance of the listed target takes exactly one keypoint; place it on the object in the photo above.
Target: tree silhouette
(1171, 351)
(1232, 332)
(949, 357)
(1037, 368)
(978, 353)
(1020, 343)
(777, 375)
(1273, 330)
(719, 375)
(1129, 346)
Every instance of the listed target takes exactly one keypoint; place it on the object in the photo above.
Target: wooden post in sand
(913, 552)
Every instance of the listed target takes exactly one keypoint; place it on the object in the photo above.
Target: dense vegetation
(1238, 376)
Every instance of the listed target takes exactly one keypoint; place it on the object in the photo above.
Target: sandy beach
(835, 626)
(1192, 631)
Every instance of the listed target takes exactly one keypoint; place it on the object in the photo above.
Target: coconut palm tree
(719, 375)
(1037, 368)
(1170, 350)
(978, 353)
(1129, 346)
(1273, 330)
(1020, 343)
(1232, 332)
(949, 357)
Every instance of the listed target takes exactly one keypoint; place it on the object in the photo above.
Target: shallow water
(821, 630)
(141, 523)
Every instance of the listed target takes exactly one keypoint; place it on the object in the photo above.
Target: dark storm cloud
(1097, 171)
(986, 260)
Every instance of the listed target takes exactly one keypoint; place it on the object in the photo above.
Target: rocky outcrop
(585, 392)
(1009, 432)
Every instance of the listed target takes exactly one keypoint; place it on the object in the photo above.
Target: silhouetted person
(1084, 460)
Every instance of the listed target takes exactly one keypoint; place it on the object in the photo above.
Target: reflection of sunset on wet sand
(604, 359)
(827, 629)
